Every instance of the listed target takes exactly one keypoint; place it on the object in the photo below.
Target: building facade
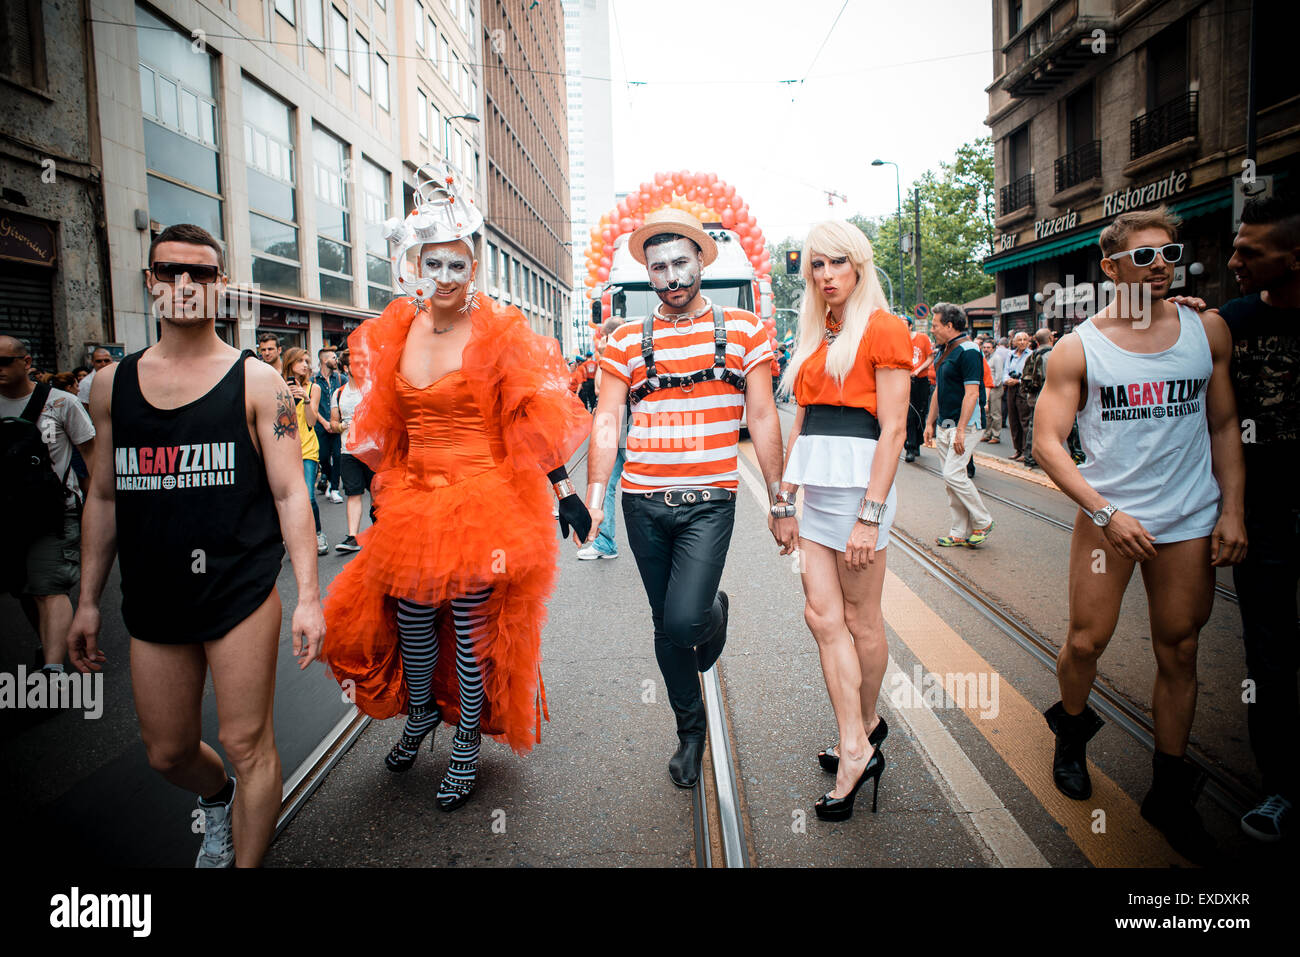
(591, 136)
(1103, 106)
(528, 250)
(54, 290)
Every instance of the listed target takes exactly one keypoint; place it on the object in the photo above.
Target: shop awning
(1200, 205)
(1042, 251)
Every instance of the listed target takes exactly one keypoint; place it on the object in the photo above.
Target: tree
(956, 229)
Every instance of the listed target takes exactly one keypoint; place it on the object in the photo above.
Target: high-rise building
(591, 134)
(1103, 106)
(529, 259)
(271, 123)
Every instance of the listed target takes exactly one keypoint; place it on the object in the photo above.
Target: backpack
(1034, 375)
(28, 479)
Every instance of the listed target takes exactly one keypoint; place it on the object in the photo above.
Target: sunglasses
(7, 361)
(198, 272)
(1146, 255)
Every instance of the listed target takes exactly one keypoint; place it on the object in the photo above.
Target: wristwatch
(1101, 517)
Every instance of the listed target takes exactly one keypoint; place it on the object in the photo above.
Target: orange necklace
(833, 327)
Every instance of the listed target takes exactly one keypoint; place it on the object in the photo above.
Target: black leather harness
(717, 372)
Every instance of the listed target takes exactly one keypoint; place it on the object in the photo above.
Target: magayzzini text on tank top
(1151, 400)
(174, 466)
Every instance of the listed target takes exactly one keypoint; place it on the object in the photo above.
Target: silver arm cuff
(564, 488)
(870, 512)
(596, 496)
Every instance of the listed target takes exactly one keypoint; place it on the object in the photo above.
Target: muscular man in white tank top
(1162, 486)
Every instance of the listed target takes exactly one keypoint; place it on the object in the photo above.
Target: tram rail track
(1223, 591)
(1222, 788)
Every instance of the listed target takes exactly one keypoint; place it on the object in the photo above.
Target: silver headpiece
(442, 214)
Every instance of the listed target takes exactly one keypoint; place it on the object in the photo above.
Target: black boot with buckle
(1070, 761)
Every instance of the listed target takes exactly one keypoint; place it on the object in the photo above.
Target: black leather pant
(680, 552)
(918, 409)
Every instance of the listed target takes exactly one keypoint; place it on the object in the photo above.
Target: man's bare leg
(167, 681)
(1180, 594)
(55, 615)
(243, 675)
(1099, 577)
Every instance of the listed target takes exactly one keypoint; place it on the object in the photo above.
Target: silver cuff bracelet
(870, 513)
(564, 488)
(596, 496)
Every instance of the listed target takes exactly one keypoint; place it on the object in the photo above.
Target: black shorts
(356, 475)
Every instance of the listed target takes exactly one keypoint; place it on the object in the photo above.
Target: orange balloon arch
(703, 195)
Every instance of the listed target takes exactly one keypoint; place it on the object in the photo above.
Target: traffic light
(792, 262)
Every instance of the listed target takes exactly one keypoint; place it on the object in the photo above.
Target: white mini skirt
(829, 515)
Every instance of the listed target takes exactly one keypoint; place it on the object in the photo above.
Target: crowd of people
(459, 421)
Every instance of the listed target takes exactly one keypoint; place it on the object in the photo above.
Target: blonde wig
(832, 239)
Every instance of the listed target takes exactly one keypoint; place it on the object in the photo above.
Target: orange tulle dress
(462, 504)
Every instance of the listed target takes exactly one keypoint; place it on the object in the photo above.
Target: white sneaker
(335, 497)
(322, 546)
(590, 553)
(218, 848)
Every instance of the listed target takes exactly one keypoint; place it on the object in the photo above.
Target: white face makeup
(447, 264)
(674, 269)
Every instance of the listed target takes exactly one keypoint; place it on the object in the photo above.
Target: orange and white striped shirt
(680, 439)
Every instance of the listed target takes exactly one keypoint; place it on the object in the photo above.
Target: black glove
(573, 512)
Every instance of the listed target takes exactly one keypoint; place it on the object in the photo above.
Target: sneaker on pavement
(589, 553)
(322, 545)
(1268, 821)
(218, 848)
(335, 497)
(348, 544)
(978, 536)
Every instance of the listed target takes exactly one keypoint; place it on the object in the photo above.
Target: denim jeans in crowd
(604, 542)
(680, 551)
(309, 470)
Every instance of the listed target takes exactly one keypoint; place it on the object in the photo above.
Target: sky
(901, 81)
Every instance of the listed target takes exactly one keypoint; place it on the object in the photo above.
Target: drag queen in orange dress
(466, 415)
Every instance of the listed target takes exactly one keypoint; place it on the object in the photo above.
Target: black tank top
(198, 536)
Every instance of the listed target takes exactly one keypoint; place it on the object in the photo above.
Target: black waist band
(839, 420)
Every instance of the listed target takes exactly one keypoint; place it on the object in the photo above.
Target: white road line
(975, 803)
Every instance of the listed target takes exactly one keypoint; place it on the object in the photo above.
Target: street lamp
(898, 193)
(446, 133)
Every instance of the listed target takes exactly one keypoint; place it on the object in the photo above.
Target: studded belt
(674, 497)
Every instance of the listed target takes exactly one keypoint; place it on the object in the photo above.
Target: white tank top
(1145, 433)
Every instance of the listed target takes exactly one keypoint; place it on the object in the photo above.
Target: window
(180, 127)
(463, 86)
(464, 13)
(419, 24)
(333, 224)
(375, 191)
(272, 199)
(381, 82)
(1167, 65)
(444, 58)
(456, 71)
(493, 276)
(1018, 145)
(505, 276)
(459, 152)
(422, 112)
(1276, 78)
(1078, 119)
(285, 9)
(438, 144)
(1015, 17)
(315, 23)
(339, 38)
(473, 98)
(363, 64)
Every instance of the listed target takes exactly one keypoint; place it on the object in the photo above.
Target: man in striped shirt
(681, 478)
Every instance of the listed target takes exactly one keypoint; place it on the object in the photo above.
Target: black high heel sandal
(841, 809)
(830, 761)
(458, 783)
(402, 756)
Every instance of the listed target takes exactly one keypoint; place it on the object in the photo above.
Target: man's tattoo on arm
(286, 421)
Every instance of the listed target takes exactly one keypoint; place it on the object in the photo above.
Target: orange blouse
(886, 344)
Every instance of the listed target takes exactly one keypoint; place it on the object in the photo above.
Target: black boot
(1070, 761)
(684, 767)
(707, 651)
(1169, 809)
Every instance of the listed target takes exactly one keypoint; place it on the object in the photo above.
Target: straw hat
(671, 220)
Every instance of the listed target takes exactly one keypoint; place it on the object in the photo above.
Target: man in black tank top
(1265, 327)
(197, 475)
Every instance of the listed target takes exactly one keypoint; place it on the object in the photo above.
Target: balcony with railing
(1078, 166)
(1167, 124)
(1056, 45)
(1016, 195)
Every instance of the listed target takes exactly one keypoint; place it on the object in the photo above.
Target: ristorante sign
(26, 240)
(1131, 197)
